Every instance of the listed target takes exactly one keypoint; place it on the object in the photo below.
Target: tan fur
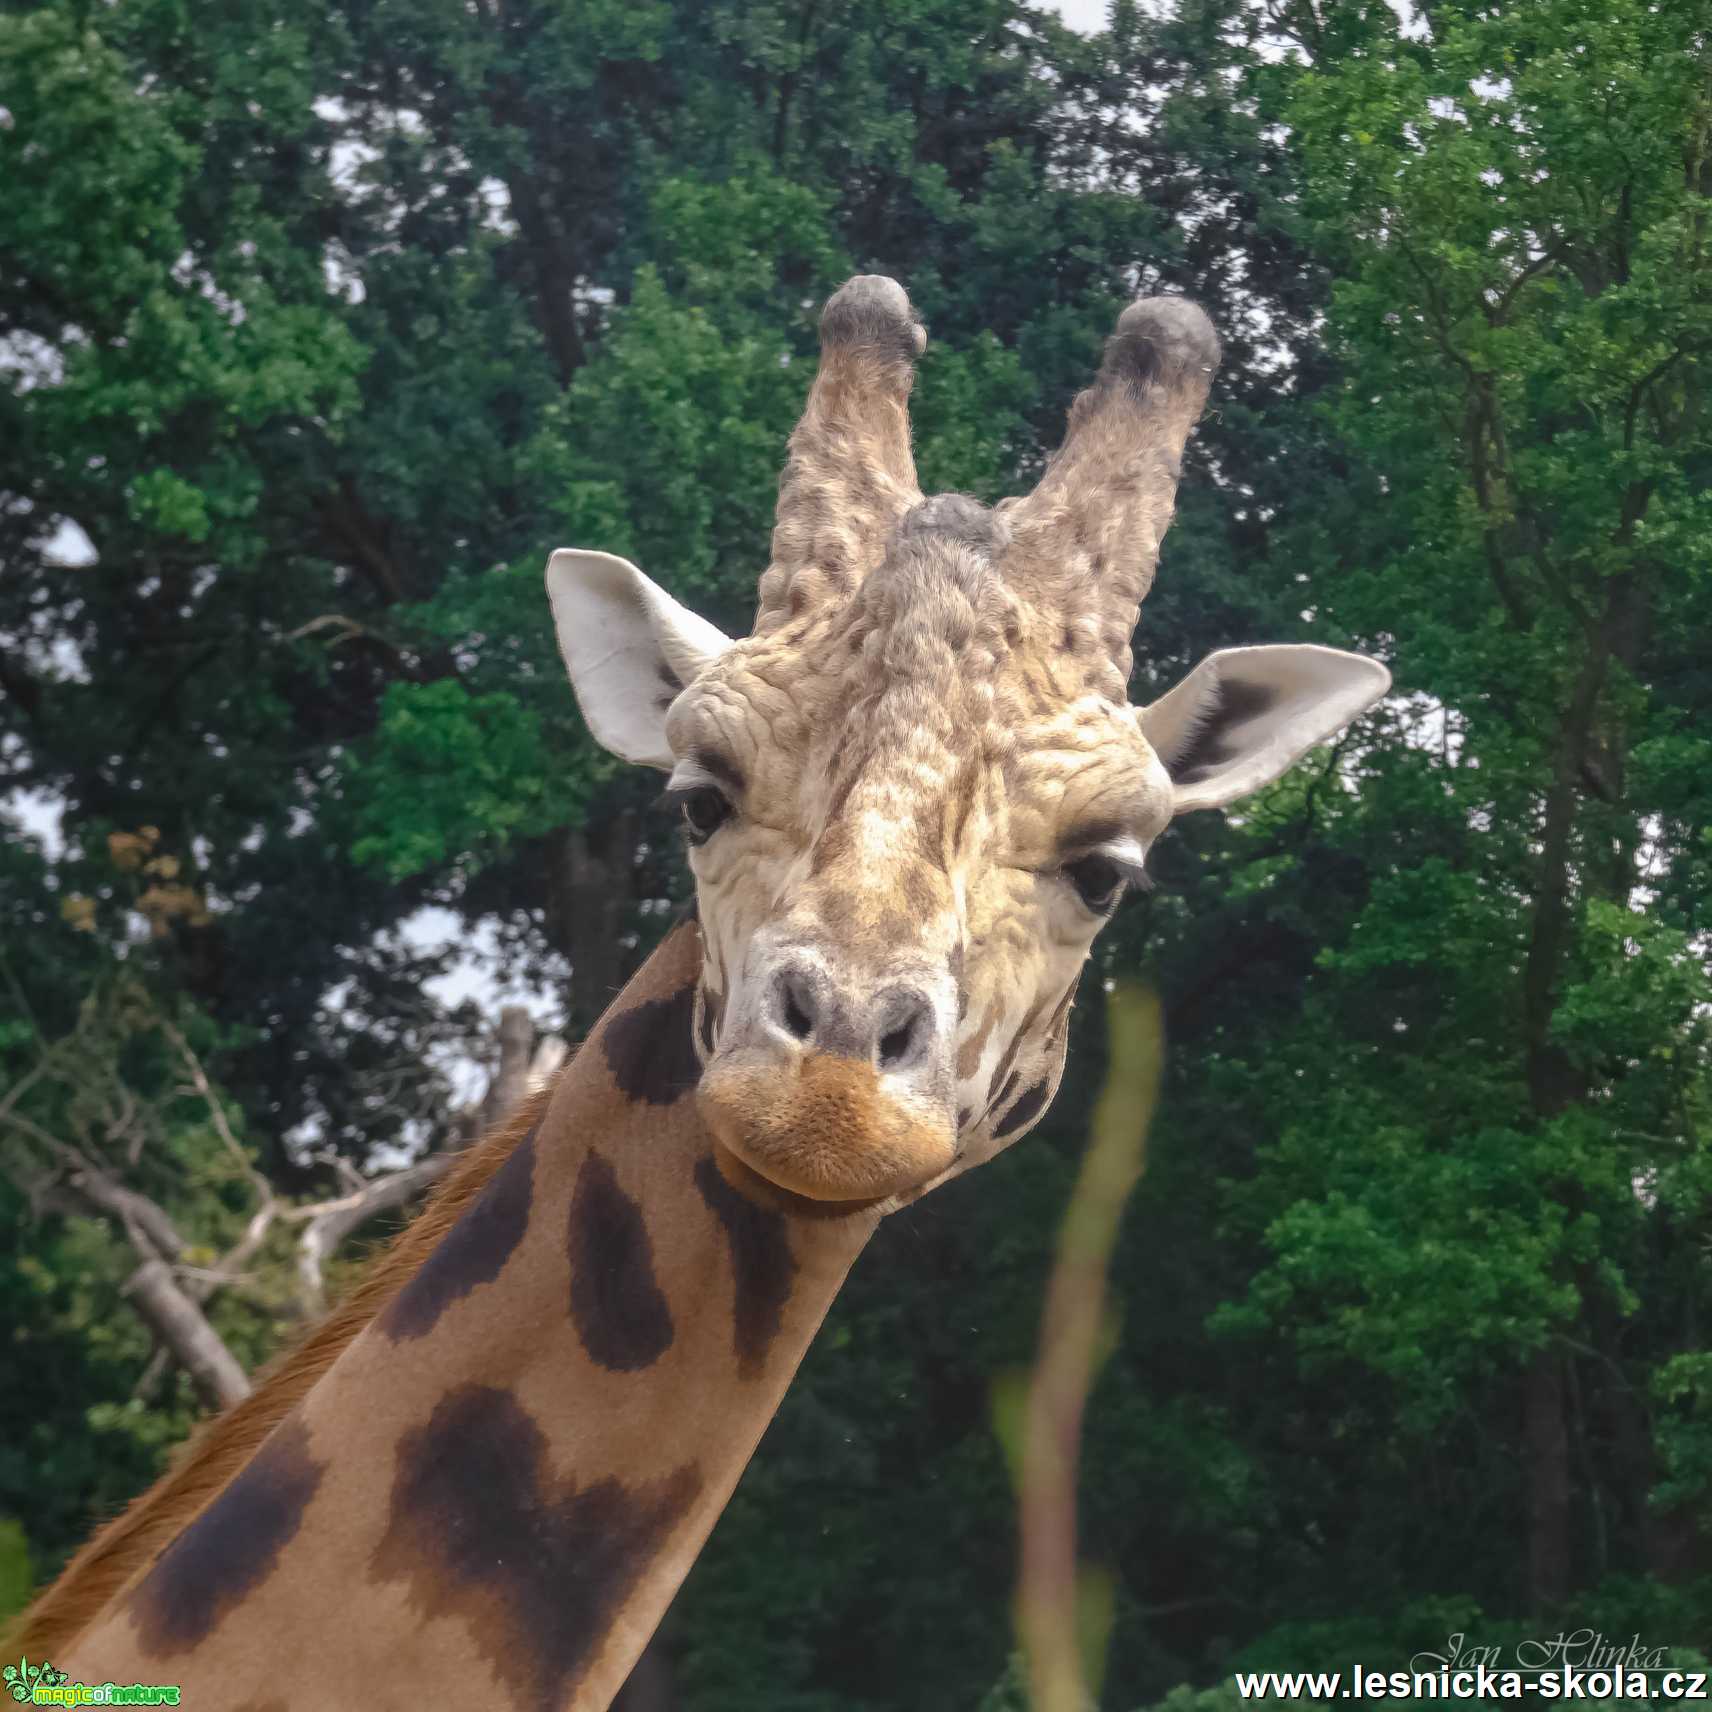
(209, 1459)
(615, 1440)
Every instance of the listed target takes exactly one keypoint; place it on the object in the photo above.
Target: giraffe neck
(493, 1493)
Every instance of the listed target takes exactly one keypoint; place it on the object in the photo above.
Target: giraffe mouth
(823, 1127)
(763, 1190)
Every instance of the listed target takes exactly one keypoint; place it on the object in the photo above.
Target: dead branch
(331, 1223)
(168, 1293)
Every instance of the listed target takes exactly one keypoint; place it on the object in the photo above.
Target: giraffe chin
(823, 1127)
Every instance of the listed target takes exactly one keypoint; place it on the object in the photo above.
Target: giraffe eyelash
(702, 806)
(1100, 878)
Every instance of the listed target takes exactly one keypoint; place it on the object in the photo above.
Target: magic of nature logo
(41, 1684)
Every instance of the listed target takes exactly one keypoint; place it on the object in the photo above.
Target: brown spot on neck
(474, 1251)
(762, 1265)
(650, 1048)
(230, 1549)
(535, 1568)
(616, 1305)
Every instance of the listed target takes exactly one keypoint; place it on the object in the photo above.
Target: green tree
(323, 334)
(1481, 1196)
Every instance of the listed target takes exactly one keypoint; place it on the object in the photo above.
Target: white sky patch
(58, 658)
(28, 361)
(496, 198)
(1430, 725)
(69, 548)
(339, 274)
(39, 815)
(1412, 23)
(478, 975)
(1088, 16)
(188, 272)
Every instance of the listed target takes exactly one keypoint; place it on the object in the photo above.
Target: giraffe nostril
(894, 1045)
(906, 1029)
(797, 1008)
(893, 1030)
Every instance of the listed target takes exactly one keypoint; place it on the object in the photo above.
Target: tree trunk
(592, 886)
(1553, 1083)
(511, 1078)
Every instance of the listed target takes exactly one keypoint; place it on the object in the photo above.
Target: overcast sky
(1082, 15)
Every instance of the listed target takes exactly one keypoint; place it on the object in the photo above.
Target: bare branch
(216, 1111)
(183, 1328)
(341, 1168)
(147, 1225)
(1497, 313)
(170, 1312)
(331, 1222)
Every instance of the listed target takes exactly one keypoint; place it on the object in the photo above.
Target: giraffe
(911, 797)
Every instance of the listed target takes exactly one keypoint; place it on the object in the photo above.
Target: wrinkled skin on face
(916, 792)
(914, 795)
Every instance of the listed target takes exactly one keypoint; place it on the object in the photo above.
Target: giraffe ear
(629, 647)
(1244, 715)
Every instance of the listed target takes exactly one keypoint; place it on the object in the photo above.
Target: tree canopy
(321, 326)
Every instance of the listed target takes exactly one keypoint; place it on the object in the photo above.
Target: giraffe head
(916, 792)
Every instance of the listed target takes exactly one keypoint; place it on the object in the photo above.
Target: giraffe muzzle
(833, 1095)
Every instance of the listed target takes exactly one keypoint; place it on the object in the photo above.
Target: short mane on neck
(489, 1471)
(209, 1460)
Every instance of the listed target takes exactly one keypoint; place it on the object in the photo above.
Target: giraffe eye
(705, 810)
(1098, 881)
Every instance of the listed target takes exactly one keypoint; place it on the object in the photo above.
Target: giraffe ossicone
(916, 792)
